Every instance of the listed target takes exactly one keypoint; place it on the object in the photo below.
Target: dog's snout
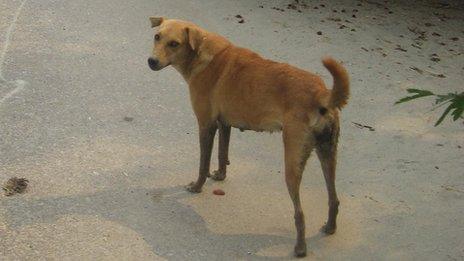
(153, 63)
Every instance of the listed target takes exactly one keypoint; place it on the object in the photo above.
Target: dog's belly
(263, 125)
(246, 109)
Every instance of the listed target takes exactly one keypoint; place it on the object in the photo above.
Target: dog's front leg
(206, 145)
(223, 151)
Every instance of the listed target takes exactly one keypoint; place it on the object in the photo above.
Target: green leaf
(459, 101)
(442, 117)
(455, 102)
(457, 113)
(418, 94)
(444, 98)
(408, 98)
(421, 92)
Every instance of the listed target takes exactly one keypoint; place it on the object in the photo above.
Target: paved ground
(103, 187)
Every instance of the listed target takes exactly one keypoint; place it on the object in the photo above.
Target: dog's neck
(200, 59)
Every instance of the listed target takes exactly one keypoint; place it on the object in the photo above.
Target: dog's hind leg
(326, 148)
(223, 151)
(297, 150)
(206, 146)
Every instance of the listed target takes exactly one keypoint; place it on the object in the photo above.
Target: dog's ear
(156, 21)
(195, 38)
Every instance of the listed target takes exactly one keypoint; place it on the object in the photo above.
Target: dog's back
(250, 92)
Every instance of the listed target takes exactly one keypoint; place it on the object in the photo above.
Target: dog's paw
(329, 230)
(193, 187)
(300, 249)
(219, 176)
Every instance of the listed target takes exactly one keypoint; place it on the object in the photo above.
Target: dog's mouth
(157, 67)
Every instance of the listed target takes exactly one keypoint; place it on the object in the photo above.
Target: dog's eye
(157, 37)
(173, 44)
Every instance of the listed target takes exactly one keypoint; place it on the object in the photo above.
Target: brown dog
(234, 87)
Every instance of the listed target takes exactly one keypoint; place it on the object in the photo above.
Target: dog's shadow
(172, 229)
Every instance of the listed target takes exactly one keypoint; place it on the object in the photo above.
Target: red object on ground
(219, 192)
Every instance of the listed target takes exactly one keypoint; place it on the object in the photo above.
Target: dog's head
(173, 42)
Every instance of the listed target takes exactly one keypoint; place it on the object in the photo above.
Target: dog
(232, 86)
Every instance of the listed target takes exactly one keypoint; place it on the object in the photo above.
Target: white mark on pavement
(8, 37)
(17, 84)
(19, 87)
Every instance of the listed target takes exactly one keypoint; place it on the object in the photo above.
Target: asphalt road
(107, 144)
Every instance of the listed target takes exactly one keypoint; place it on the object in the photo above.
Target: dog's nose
(153, 63)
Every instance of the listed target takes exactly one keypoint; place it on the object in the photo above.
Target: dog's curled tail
(341, 83)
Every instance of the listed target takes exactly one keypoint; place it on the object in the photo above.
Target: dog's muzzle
(154, 64)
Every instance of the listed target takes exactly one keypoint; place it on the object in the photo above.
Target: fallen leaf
(362, 126)
(416, 69)
(399, 48)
